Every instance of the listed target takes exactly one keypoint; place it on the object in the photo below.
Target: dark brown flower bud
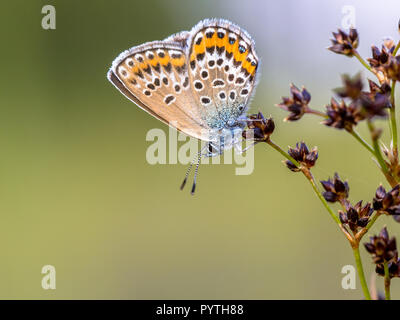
(297, 104)
(261, 128)
(335, 189)
(393, 266)
(379, 57)
(387, 202)
(392, 68)
(343, 116)
(356, 217)
(383, 249)
(344, 43)
(391, 159)
(374, 104)
(389, 44)
(384, 61)
(302, 155)
(352, 87)
(375, 88)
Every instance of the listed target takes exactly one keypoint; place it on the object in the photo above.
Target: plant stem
(316, 112)
(387, 281)
(363, 62)
(360, 271)
(362, 141)
(310, 178)
(393, 117)
(377, 150)
(353, 133)
(285, 154)
(363, 231)
(396, 49)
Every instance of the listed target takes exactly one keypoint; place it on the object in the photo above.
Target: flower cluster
(385, 61)
(344, 43)
(388, 202)
(362, 104)
(342, 116)
(303, 156)
(335, 189)
(297, 104)
(357, 216)
(384, 250)
(261, 128)
(392, 161)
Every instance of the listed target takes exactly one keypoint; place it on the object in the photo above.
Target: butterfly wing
(155, 77)
(222, 70)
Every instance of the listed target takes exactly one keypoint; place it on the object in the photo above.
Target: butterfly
(200, 82)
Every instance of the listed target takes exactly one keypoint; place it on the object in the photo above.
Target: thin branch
(362, 141)
(377, 149)
(363, 62)
(363, 231)
(361, 274)
(387, 280)
(282, 152)
(393, 118)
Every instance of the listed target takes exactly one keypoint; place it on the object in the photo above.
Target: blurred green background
(76, 191)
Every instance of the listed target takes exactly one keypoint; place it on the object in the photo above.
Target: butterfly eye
(241, 108)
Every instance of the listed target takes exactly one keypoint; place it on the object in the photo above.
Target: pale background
(76, 191)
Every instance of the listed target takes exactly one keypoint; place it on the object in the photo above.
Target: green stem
(362, 141)
(396, 49)
(361, 274)
(372, 221)
(321, 197)
(363, 231)
(393, 117)
(309, 178)
(282, 152)
(387, 281)
(377, 150)
(316, 112)
(363, 62)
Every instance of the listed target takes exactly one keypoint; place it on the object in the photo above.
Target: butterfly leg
(240, 150)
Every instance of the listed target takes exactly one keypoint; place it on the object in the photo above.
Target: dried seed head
(356, 217)
(393, 266)
(387, 202)
(384, 61)
(379, 57)
(297, 104)
(335, 189)
(343, 116)
(391, 159)
(352, 87)
(384, 249)
(392, 68)
(302, 155)
(261, 128)
(344, 43)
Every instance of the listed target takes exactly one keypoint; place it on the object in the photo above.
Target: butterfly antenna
(195, 174)
(186, 175)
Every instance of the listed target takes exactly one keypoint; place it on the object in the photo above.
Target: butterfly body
(200, 81)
